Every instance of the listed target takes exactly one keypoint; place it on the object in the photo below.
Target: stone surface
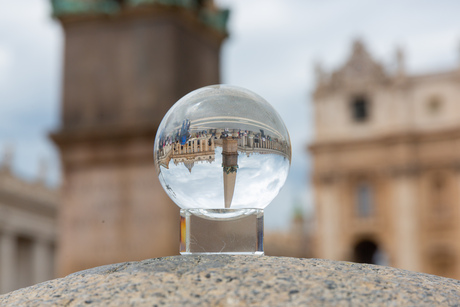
(223, 280)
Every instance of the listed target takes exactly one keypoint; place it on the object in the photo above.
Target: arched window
(364, 200)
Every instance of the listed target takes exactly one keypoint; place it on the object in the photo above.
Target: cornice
(213, 18)
(385, 140)
(69, 136)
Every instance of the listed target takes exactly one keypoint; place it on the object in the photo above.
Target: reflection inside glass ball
(222, 147)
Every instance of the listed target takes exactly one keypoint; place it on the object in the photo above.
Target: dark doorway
(366, 251)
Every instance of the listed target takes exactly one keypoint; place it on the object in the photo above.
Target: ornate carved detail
(359, 67)
(358, 72)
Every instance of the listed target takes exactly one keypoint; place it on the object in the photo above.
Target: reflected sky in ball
(259, 179)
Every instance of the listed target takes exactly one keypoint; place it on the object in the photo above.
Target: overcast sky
(271, 50)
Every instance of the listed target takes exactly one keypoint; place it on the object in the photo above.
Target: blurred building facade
(386, 155)
(293, 242)
(126, 63)
(27, 230)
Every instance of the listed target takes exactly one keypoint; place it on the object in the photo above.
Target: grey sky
(271, 50)
(30, 58)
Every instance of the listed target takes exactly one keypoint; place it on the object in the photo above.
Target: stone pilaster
(456, 204)
(7, 262)
(405, 219)
(41, 258)
(329, 219)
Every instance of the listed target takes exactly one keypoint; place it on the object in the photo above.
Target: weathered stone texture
(224, 280)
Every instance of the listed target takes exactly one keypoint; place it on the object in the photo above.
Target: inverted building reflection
(189, 146)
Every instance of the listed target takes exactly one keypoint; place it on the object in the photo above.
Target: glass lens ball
(222, 147)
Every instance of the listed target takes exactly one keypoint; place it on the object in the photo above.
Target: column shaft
(405, 222)
(41, 265)
(7, 262)
(329, 221)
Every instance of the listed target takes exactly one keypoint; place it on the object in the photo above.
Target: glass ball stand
(222, 153)
(234, 231)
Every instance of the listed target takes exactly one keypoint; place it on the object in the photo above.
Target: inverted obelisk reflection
(230, 167)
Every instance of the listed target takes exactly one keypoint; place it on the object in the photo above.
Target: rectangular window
(360, 109)
(440, 197)
(364, 200)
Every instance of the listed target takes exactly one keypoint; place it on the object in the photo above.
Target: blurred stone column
(41, 264)
(7, 262)
(405, 220)
(329, 218)
(456, 204)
